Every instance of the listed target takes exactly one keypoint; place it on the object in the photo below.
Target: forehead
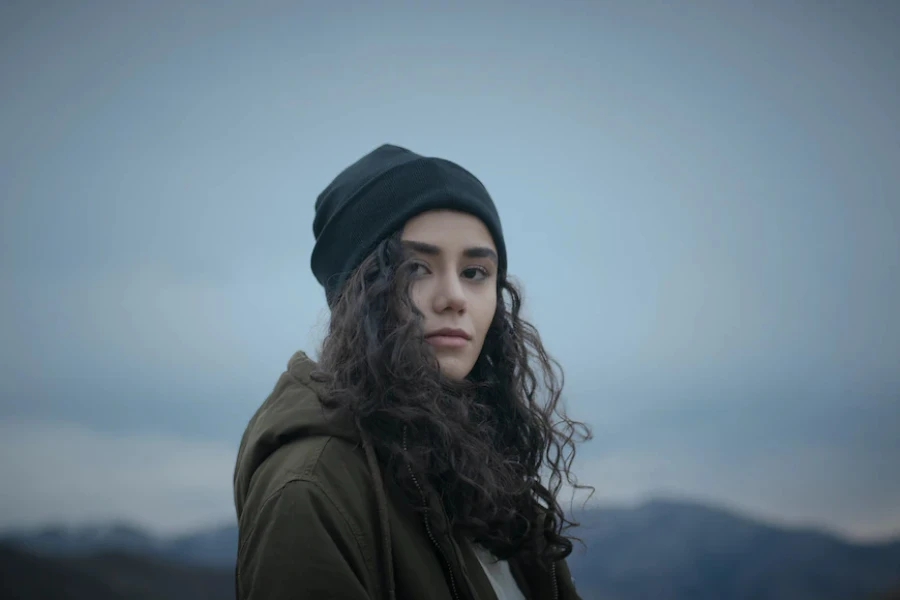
(448, 228)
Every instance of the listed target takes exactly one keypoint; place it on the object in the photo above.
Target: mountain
(66, 541)
(659, 550)
(665, 550)
(107, 576)
(214, 547)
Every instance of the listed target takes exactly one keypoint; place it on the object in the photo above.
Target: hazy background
(702, 200)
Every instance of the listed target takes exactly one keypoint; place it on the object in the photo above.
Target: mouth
(448, 338)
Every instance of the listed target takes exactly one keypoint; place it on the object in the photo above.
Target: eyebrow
(432, 250)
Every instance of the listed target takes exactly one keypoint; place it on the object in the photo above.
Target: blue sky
(702, 202)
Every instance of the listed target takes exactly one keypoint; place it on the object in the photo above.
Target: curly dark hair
(482, 444)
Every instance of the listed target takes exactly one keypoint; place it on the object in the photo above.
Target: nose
(450, 295)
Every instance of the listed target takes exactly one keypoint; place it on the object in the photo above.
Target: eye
(476, 273)
(418, 269)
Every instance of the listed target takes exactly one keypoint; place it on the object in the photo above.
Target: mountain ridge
(660, 549)
(112, 533)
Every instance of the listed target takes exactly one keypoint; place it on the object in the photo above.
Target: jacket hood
(292, 411)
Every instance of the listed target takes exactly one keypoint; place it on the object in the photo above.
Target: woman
(408, 462)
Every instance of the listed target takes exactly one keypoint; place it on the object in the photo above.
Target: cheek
(418, 294)
(484, 315)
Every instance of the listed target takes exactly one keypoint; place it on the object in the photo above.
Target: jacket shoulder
(299, 541)
(332, 463)
(287, 434)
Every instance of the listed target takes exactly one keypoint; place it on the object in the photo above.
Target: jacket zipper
(555, 582)
(428, 525)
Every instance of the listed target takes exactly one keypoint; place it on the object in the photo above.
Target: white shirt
(498, 573)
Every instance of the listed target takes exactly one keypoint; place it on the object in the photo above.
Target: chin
(453, 368)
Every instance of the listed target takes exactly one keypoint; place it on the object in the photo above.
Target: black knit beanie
(375, 196)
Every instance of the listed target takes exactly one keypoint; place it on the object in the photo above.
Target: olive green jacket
(318, 520)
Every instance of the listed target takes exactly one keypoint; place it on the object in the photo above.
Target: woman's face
(454, 284)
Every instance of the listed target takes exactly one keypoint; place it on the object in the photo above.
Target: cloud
(59, 473)
(151, 349)
(709, 249)
(63, 473)
(821, 483)
(179, 325)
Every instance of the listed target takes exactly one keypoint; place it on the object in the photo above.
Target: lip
(448, 338)
(448, 332)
